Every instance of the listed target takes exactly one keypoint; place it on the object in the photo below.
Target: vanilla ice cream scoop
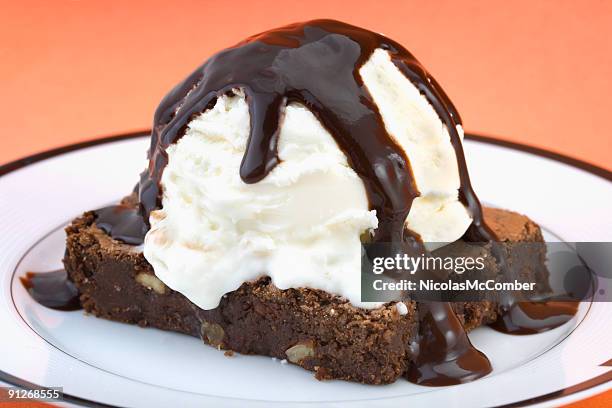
(277, 155)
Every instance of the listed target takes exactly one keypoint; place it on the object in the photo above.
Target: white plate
(97, 361)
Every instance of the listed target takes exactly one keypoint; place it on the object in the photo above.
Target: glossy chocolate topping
(123, 223)
(52, 289)
(534, 317)
(444, 355)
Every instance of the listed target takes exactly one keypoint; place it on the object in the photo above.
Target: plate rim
(473, 136)
(593, 169)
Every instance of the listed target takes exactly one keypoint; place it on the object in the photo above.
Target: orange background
(536, 72)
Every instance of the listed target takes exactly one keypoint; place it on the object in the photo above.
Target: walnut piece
(150, 281)
(213, 333)
(300, 351)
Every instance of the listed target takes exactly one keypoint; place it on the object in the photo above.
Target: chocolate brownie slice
(314, 329)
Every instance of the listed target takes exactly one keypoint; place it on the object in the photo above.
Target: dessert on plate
(269, 168)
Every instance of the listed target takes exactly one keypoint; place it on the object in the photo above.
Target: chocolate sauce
(52, 289)
(445, 355)
(123, 223)
(534, 317)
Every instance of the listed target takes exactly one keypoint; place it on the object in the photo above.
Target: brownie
(311, 328)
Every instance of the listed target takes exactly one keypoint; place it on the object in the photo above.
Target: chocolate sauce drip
(123, 223)
(52, 289)
(445, 354)
(526, 317)
(534, 317)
